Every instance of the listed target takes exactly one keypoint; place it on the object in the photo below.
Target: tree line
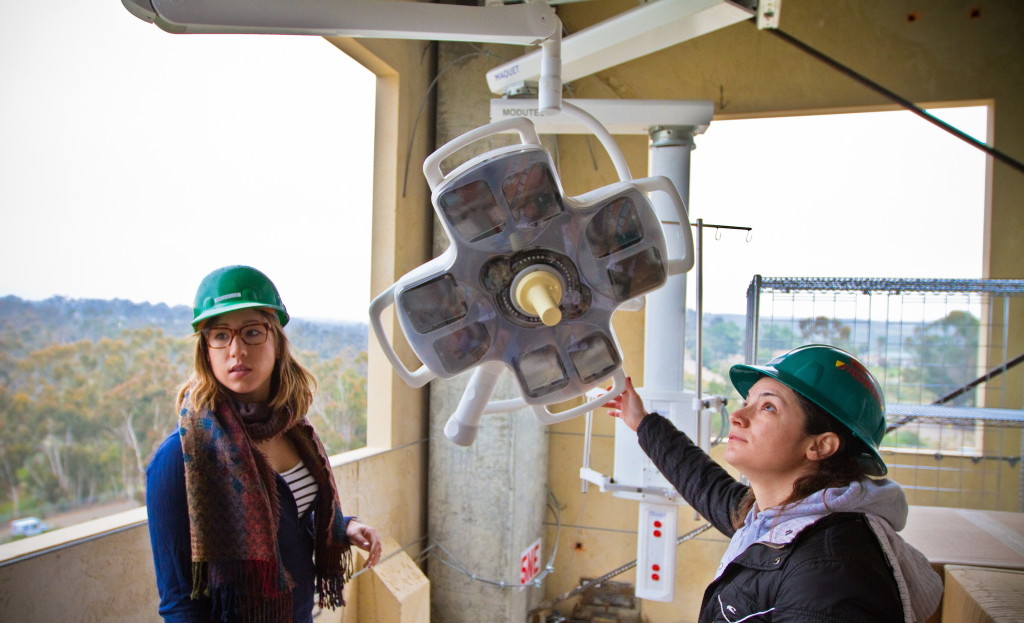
(917, 362)
(87, 392)
(87, 387)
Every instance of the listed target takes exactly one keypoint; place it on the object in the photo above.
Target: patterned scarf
(233, 510)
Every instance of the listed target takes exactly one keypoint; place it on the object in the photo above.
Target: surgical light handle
(545, 416)
(520, 125)
(660, 183)
(676, 266)
(463, 424)
(382, 301)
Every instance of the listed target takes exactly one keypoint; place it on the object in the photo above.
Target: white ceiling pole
(665, 312)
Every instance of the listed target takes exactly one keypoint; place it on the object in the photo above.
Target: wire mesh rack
(946, 352)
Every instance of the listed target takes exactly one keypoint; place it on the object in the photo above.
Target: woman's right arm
(170, 536)
(702, 482)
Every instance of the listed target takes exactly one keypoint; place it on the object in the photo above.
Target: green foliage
(722, 339)
(80, 418)
(339, 407)
(87, 393)
(901, 438)
(822, 330)
(774, 339)
(946, 355)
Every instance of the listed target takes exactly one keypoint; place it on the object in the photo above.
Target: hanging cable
(423, 102)
(905, 103)
(438, 552)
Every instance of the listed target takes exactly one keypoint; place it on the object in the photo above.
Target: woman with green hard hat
(244, 517)
(813, 536)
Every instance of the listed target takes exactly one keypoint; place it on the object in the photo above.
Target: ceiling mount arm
(631, 34)
(529, 23)
(517, 24)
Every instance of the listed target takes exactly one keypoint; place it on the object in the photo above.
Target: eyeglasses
(252, 334)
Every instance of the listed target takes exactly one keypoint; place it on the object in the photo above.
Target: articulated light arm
(519, 24)
(531, 23)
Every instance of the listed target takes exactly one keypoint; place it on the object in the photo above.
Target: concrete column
(486, 502)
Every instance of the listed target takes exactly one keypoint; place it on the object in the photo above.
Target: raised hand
(628, 406)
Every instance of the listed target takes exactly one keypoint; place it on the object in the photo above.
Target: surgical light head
(531, 278)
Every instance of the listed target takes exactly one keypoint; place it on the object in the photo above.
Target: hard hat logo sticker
(233, 295)
(860, 375)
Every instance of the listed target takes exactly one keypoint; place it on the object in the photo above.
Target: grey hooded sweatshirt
(885, 506)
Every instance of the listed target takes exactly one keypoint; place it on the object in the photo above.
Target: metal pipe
(753, 316)
(699, 252)
(588, 432)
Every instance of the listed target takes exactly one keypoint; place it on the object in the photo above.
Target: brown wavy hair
(291, 385)
(838, 470)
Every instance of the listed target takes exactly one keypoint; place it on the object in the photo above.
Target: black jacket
(833, 572)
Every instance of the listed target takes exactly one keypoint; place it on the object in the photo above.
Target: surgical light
(530, 280)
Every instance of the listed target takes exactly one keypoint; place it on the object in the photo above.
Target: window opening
(873, 194)
(132, 163)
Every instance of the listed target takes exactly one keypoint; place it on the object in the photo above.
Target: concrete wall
(485, 506)
(102, 570)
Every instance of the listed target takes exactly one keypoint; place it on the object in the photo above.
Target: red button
(657, 524)
(655, 577)
(657, 533)
(656, 567)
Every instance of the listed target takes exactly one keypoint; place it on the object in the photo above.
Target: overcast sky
(858, 195)
(133, 162)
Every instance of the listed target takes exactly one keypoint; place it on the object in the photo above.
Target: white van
(28, 526)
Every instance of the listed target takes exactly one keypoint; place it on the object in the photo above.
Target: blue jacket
(172, 550)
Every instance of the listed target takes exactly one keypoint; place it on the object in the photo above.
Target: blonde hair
(291, 386)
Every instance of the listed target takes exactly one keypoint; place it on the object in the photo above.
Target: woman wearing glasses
(244, 517)
(813, 534)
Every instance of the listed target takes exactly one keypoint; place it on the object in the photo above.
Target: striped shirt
(303, 486)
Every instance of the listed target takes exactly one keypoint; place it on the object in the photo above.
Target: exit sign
(529, 563)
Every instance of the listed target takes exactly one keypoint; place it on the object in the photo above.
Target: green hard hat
(834, 380)
(235, 287)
